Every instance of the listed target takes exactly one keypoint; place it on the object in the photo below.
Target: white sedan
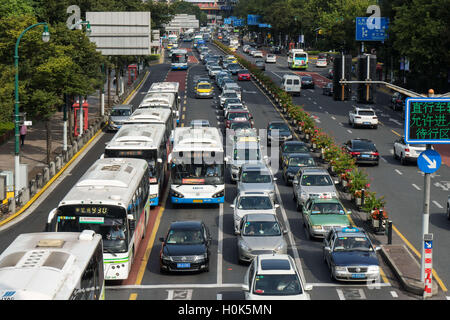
(407, 152)
(257, 54)
(321, 63)
(271, 58)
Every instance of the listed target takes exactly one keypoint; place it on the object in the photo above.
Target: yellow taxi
(231, 59)
(203, 90)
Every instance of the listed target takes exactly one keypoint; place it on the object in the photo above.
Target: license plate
(183, 265)
(197, 201)
(366, 122)
(365, 156)
(358, 275)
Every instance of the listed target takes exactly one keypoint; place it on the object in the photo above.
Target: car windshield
(327, 208)
(353, 243)
(120, 112)
(301, 162)
(243, 72)
(230, 95)
(204, 86)
(240, 125)
(233, 100)
(362, 145)
(262, 229)
(235, 106)
(279, 126)
(306, 78)
(238, 115)
(254, 203)
(233, 66)
(184, 237)
(216, 68)
(316, 180)
(366, 113)
(246, 154)
(255, 177)
(277, 285)
(292, 148)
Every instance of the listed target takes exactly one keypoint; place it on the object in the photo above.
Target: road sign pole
(425, 217)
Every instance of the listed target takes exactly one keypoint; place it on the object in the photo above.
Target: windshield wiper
(110, 251)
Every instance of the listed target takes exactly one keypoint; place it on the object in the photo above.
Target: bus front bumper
(197, 200)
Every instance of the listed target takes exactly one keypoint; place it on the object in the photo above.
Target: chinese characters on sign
(364, 33)
(427, 120)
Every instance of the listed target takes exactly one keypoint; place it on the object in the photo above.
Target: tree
(15, 8)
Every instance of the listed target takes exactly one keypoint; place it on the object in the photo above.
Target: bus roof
(138, 136)
(165, 86)
(158, 99)
(44, 265)
(149, 115)
(107, 181)
(197, 139)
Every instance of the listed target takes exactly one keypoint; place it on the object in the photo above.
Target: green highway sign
(427, 120)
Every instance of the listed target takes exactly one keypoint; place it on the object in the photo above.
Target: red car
(244, 75)
(238, 116)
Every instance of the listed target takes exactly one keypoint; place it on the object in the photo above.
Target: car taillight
(407, 150)
(152, 180)
(355, 153)
(357, 117)
(375, 154)
(374, 118)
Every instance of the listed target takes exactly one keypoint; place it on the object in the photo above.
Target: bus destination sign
(427, 120)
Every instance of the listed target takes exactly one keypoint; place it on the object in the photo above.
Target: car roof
(256, 166)
(260, 217)
(294, 142)
(123, 106)
(254, 193)
(275, 264)
(314, 170)
(300, 155)
(189, 224)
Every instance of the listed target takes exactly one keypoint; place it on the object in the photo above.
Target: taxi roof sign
(350, 230)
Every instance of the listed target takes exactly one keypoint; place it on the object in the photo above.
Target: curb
(410, 285)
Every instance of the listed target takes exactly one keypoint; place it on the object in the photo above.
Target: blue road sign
(429, 161)
(371, 31)
(428, 244)
(253, 20)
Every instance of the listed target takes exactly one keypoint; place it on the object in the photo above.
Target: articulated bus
(112, 199)
(297, 59)
(197, 166)
(53, 266)
(143, 141)
(179, 59)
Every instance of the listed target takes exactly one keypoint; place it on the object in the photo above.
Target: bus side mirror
(130, 217)
(159, 160)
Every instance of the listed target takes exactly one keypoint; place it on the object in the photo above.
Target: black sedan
(398, 101)
(291, 147)
(293, 163)
(186, 247)
(260, 64)
(328, 89)
(278, 131)
(307, 82)
(363, 150)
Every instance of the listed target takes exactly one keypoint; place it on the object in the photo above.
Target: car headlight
(244, 246)
(219, 194)
(373, 269)
(167, 258)
(201, 257)
(337, 268)
(333, 194)
(234, 167)
(317, 227)
(304, 195)
(289, 137)
(176, 194)
(290, 174)
(280, 247)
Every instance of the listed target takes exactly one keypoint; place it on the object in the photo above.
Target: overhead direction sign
(429, 161)
(427, 120)
(367, 31)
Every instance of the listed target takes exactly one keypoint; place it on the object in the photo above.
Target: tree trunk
(49, 140)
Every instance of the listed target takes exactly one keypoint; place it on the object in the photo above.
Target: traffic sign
(427, 120)
(368, 32)
(429, 161)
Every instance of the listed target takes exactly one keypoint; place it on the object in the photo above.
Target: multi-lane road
(402, 187)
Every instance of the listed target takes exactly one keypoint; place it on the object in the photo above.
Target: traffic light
(366, 70)
(337, 76)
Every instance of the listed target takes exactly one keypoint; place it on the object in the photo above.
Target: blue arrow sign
(429, 161)
(428, 244)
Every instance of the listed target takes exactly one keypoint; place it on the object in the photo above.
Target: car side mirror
(159, 160)
(237, 232)
(245, 287)
(232, 205)
(308, 287)
(130, 217)
(275, 179)
(349, 212)
(327, 248)
(377, 248)
(285, 231)
(161, 239)
(277, 205)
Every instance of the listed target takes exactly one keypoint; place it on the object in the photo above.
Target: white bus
(53, 266)
(111, 198)
(297, 59)
(197, 166)
(161, 100)
(143, 141)
(168, 87)
(179, 59)
(155, 115)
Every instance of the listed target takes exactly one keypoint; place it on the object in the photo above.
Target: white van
(291, 84)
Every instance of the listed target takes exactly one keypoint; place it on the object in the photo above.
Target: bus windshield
(107, 220)
(197, 173)
(179, 58)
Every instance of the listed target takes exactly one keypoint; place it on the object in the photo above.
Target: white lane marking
(437, 204)
(177, 286)
(320, 107)
(349, 131)
(382, 158)
(333, 117)
(398, 171)
(340, 294)
(394, 294)
(322, 284)
(309, 98)
(395, 121)
(277, 75)
(220, 246)
(447, 297)
(219, 296)
(327, 112)
(314, 102)
(415, 186)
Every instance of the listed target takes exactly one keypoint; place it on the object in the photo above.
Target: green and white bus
(112, 199)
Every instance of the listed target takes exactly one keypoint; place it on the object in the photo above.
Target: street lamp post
(45, 38)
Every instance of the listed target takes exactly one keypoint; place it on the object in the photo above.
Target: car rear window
(363, 145)
(296, 81)
(366, 113)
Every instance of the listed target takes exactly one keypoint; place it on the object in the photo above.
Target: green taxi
(322, 214)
